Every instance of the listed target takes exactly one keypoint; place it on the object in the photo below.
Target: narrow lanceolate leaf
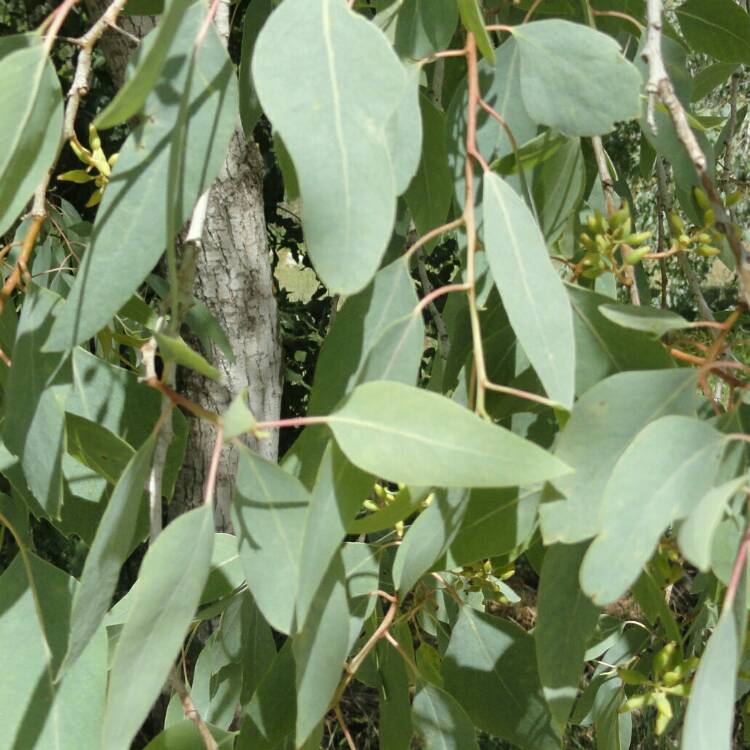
(416, 437)
(140, 204)
(269, 513)
(132, 96)
(332, 113)
(174, 348)
(35, 393)
(575, 79)
(473, 20)
(34, 616)
(644, 318)
(113, 543)
(320, 649)
(490, 668)
(250, 110)
(441, 721)
(533, 293)
(170, 583)
(649, 488)
(710, 717)
(339, 491)
(720, 28)
(430, 192)
(31, 112)
(404, 131)
(565, 622)
(604, 422)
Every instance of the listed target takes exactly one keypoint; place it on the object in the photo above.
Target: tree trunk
(234, 281)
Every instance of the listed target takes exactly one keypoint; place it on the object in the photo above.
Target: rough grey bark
(234, 281)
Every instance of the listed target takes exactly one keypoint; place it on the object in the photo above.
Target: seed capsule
(676, 224)
(701, 199)
(707, 251)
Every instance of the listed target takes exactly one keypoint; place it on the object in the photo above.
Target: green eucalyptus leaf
(710, 78)
(428, 537)
(719, 28)
(171, 580)
(710, 717)
(441, 721)
(31, 119)
(604, 348)
(174, 349)
(575, 79)
(96, 447)
(35, 394)
(648, 489)
(532, 292)
(113, 543)
(473, 19)
(566, 620)
(255, 17)
(430, 193)
(324, 94)
(37, 712)
(496, 522)
(269, 514)
(132, 96)
(185, 736)
(412, 436)
(141, 206)
(424, 27)
(696, 533)
(604, 422)
(490, 669)
(650, 320)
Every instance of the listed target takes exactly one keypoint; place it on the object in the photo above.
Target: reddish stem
(439, 292)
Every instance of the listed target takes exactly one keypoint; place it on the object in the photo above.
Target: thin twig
(433, 234)
(190, 711)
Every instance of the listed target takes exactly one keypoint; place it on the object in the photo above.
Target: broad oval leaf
(169, 587)
(416, 437)
(532, 292)
(31, 119)
(648, 489)
(332, 113)
(575, 79)
(720, 28)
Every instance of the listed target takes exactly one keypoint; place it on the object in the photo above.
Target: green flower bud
(701, 199)
(636, 256)
(734, 198)
(637, 239)
(709, 217)
(631, 676)
(665, 659)
(707, 251)
(676, 224)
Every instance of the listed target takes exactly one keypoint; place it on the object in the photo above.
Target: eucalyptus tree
(535, 434)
